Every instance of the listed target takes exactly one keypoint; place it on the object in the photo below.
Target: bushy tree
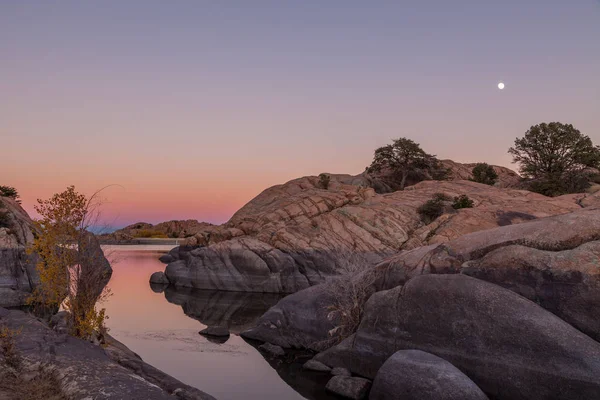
(72, 272)
(484, 173)
(402, 158)
(552, 153)
(9, 191)
(324, 180)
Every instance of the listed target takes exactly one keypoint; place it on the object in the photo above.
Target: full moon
(501, 86)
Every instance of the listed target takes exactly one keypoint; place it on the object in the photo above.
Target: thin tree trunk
(403, 182)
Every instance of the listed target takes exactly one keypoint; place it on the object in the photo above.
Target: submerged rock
(314, 365)
(508, 345)
(215, 331)
(416, 375)
(272, 350)
(159, 278)
(350, 388)
(341, 371)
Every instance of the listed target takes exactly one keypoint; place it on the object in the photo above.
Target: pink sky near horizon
(193, 109)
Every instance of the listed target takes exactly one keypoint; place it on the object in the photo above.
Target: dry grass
(350, 291)
(43, 385)
(18, 383)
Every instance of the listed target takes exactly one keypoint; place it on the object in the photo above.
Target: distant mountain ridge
(168, 229)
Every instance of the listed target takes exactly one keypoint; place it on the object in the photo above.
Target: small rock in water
(159, 277)
(272, 349)
(217, 331)
(341, 371)
(315, 365)
(166, 258)
(351, 388)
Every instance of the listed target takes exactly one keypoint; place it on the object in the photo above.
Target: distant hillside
(168, 229)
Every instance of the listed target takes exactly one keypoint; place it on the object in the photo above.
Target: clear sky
(194, 107)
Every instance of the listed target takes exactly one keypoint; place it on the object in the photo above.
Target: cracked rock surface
(294, 235)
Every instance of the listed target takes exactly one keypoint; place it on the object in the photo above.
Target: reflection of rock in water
(310, 384)
(237, 311)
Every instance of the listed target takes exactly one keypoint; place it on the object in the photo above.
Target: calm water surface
(163, 329)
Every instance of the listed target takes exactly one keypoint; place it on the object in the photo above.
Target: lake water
(162, 327)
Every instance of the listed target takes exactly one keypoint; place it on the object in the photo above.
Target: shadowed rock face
(88, 371)
(291, 236)
(236, 311)
(416, 375)
(18, 275)
(559, 271)
(554, 262)
(509, 346)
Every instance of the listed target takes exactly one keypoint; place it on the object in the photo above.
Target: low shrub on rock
(484, 173)
(432, 209)
(324, 180)
(462, 201)
(350, 291)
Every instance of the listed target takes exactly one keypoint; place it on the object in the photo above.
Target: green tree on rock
(553, 155)
(402, 158)
(11, 192)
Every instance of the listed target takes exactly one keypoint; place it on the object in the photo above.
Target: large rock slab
(18, 274)
(298, 320)
(551, 261)
(88, 371)
(509, 346)
(296, 235)
(416, 375)
(560, 272)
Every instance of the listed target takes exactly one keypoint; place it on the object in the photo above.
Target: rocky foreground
(78, 369)
(513, 308)
(39, 359)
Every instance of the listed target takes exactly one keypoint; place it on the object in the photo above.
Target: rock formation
(295, 235)
(558, 271)
(18, 275)
(416, 375)
(170, 229)
(84, 370)
(508, 345)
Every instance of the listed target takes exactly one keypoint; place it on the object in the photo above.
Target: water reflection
(165, 334)
(237, 311)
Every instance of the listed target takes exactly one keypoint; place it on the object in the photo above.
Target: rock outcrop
(295, 235)
(558, 271)
(509, 346)
(171, 229)
(416, 375)
(85, 371)
(552, 261)
(18, 274)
